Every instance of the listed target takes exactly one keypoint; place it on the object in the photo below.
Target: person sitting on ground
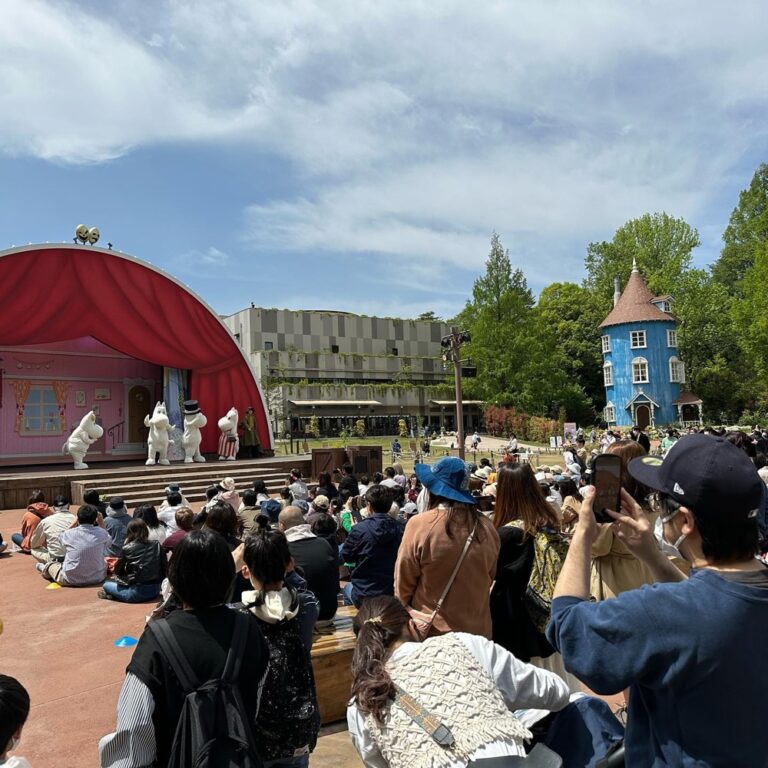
(466, 684)
(362, 485)
(139, 570)
(348, 481)
(680, 644)
(14, 711)
(434, 541)
(184, 523)
(316, 559)
(389, 478)
(349, 514)
(85, 547)
(93, 497)
(325, 486)
(228, 493)
(484, 470)
(372, 547)
(286, 498)
(400, 477)
(116, 524)
(297, 486)
(260, 488)
(167, 516)
(249, 510)
(289, 719)
(271, 509)
(157, 531)
(325, 527)
(319, 506)
(45, 543)
(222, 518)
(201, 573)
(169, 489)
(37, 509)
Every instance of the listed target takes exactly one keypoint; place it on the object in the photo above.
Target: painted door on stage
(138, 406)
(643, 416)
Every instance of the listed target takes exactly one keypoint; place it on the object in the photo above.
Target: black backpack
(213, 729)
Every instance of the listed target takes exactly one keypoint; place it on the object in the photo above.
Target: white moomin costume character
(194, 421)
(158, 440)
(229, 442)
(82, 439)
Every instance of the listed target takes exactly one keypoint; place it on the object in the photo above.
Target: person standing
(249, 442)
(432, 545)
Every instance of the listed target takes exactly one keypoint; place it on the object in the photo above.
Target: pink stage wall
(83, 373)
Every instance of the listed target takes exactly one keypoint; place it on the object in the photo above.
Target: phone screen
(607, 481)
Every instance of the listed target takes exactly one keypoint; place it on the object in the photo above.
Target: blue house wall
(659, 387)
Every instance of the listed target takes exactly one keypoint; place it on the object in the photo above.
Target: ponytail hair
(379, 622)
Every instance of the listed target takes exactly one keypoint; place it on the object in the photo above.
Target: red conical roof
(634, 304)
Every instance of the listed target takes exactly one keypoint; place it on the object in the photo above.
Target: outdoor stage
(139, 484)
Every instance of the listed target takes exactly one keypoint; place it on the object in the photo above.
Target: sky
(358, 155)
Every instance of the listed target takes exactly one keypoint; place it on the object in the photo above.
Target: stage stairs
(139, 484)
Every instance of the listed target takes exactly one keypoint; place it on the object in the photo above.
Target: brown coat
(32, 517)
(426, 560)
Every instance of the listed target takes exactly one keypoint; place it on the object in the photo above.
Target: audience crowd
(487, 601)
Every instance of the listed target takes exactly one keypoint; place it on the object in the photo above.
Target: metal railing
(116, 433)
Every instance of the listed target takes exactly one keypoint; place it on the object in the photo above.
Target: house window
(639, 370)
(394, 351)
(671, 338)
(268, 345)
(676, 371)
(609, 413)
(637, 340)
(608, 375)
(606, 340)
(335, 349)
(664, 306)
(41, 412)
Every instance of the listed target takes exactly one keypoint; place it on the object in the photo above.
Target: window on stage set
(41, 412)
(608, 374)
(606, 342)
(639, 370)
(610, 413)
(637, 340)
(676, 371)
(671, 338)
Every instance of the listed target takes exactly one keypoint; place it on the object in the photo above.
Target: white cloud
(210, 257)
(416, 128)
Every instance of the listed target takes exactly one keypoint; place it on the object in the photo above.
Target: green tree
(661, 245)
(428, 316)
(747, 230)
(573, 314)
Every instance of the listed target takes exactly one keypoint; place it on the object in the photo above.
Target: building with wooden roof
(643, 374)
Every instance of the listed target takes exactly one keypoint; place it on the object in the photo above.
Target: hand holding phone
(607, 479)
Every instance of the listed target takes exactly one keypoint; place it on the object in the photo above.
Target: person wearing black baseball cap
(686, 647)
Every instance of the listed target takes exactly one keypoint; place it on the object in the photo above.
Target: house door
(643, 416)
(138, 407)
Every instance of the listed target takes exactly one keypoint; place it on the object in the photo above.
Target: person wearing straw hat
(447, 560)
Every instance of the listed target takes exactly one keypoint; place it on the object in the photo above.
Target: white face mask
(668, 547)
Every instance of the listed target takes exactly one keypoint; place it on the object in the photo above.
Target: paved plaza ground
(60, 644)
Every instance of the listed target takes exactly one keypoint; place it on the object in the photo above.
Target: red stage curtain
(53, 294)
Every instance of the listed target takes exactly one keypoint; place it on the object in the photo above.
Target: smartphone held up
(607, 479)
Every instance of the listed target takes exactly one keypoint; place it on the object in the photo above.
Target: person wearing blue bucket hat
(447, 559)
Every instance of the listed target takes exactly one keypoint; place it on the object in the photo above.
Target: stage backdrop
(58, 292)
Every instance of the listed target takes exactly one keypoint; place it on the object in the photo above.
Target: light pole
(452, 343)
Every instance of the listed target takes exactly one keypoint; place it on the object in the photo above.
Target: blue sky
(357, 156)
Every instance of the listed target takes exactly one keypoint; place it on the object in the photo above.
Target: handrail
(116, 433)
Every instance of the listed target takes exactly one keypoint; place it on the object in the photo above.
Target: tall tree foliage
(747, 231)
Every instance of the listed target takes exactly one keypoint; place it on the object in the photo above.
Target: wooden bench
(332, 666)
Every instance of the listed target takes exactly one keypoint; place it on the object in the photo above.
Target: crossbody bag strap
(455, 572)
(440, 732)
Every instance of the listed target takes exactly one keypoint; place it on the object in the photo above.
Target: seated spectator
(228, 493)
(260, 488)
(297, 486)
(325, 527)
(167, 516)
(139, 570)
(222, 518)
(316, 559)
(319, 506)
(377, 478)
(271, 508)
(400, 477)
(169, 489)
(37, 509)
(286, 499)
(389, 478)
(93, 497)
(484, 470)
(85, 547)
(289, 719)
(184, 523)
(362, 485)
(3, 544)
(45, 543)
(148, 710)
(372, 546)
(348, 481)
(249, 510)
(680, 645)
(349, 514)
(157, 531)
(325, 487)
(116, 524)
(14, 710)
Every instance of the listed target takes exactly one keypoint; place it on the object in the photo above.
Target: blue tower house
(643, 374)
